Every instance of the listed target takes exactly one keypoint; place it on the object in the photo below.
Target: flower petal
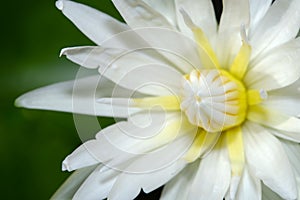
(123, 141)
(268, 161)
(285, 100)
(273, 119)
(280, 24)
(213, 177)
(179, 187)
(249, 187)
(98, 184)
(148, 181)
(258, 9)
(71, 185)
(138, 13)
(94, 24)
(291, 136)
(276, 69)
(131, 69)
(235, 14)
(77, 97)
(165, 8)
(201, 12)
(293, 151)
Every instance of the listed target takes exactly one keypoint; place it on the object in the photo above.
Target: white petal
(276, 69)
(280, 24)
(249, 188)
(83, 156)
(258, 9)
(71, 185)
(293, 151)
(285, 100)
(98, 184)
(92, 56)
(161, 157)
(201, 12)
(94, 24)
(213, 177)
(179, 187)
(147, 181)
(118, 143)
(268, 161)
(77, 97)
(235, 14)
(138, 13)
(291, 136)
(166, 8)
(273, 119)
(177, 48)
(131, 69)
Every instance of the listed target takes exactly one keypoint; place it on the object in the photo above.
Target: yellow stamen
(241, 61)
(235, 147)
(166, 102)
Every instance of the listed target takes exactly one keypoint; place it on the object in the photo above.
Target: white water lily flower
(212, 108)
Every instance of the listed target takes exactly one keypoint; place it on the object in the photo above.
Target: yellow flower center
(213, 100)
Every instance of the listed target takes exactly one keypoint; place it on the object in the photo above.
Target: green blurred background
(33, 143)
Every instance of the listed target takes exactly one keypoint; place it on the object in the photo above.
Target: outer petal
(235, 14)
(71, 185)
(280, 24)
(213, 177)
(249, 188)
(201, 12)
(94, 24)
(147, 181)
(179, 187)
(268, 161)
(293, 151)
(131, 69)
(285, 100)
(138, 13)
(165, 8)
(258, 9)
(97, 185)
(123, 141)
(291, 136)
(276, 69)
(77, 97)
(273, 119)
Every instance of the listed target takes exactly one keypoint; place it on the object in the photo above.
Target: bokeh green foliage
(33, 143)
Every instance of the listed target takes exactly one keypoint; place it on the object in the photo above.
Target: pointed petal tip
(22, 102)
(60, 4)
(62, 52)
(18, 102)
(65, 166)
